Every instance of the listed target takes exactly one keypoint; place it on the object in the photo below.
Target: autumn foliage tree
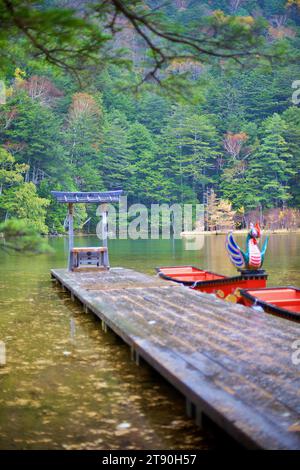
(41, 89)
(219, 213)
(233, 143)
(277, 218)
(84, 106)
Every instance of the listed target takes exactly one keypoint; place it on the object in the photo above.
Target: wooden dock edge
(207, 403)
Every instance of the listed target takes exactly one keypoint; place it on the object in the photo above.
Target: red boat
(282, 301)
(224, 287)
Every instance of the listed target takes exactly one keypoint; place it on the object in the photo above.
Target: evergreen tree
(115, 151)
(10, 172)
(34, 134)
(24, 203)
(272, 164)
(292, 136)
(224, 100)
(143, 157)
(189, 148)
(153, 110)
(83, 137)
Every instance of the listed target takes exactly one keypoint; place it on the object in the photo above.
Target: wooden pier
(232, 363)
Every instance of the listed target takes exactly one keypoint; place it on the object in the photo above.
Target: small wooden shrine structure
(87, 257)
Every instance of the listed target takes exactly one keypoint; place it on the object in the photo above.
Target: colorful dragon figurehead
(253, 257)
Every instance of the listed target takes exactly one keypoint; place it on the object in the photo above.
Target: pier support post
(194, 412)
(188, 408)
(134, 355)
(104, 213)
(85, 308)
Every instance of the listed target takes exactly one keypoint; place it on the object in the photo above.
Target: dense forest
(230, 138)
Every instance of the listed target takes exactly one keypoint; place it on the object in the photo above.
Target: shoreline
(244, 231)
(192, 233)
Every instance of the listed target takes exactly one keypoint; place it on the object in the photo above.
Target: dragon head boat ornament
(252, 259)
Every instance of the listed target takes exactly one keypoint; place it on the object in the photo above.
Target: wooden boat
(224, 287)
(282, 301)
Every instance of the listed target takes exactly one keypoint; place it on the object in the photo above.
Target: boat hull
(224, 287)
(280, 301)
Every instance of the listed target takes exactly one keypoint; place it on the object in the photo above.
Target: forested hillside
(234, 132)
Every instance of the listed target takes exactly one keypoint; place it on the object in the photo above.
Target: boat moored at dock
(248, 263)
(224, 287)
(280, 301)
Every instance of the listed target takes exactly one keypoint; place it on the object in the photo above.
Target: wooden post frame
(95, 197)
(104, 213)
(71, 235)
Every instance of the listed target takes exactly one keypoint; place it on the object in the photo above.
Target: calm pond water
(67, 384)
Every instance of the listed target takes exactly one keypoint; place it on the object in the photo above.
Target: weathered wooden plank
(199, 328)
(233, 363)
(257, 397)
(90, 249)
(233, 335)
(208, 340)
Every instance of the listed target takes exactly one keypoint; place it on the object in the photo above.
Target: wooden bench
(89, 258)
